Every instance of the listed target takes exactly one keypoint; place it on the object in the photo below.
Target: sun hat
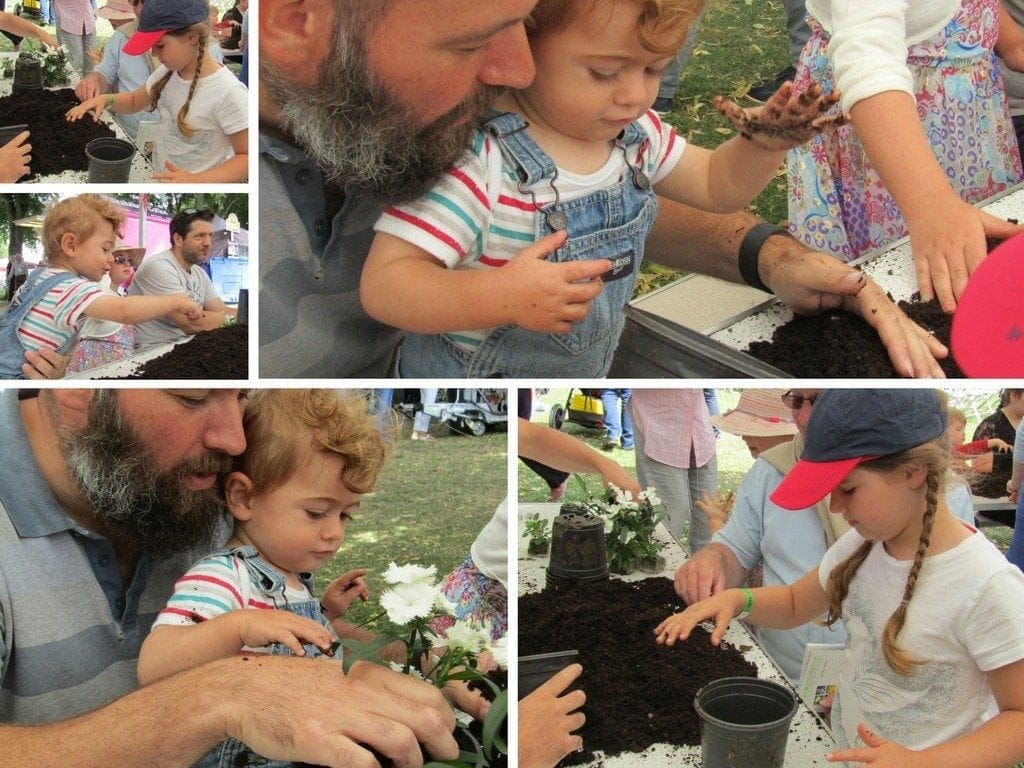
(116, 10)
(850, 426)
(988, 328)
(162, 16)
(759, 413)
(134, 253)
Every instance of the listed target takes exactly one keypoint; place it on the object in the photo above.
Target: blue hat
(159, 17)
(850, 426)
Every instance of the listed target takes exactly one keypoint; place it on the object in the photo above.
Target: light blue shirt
(790, 543)
(125, 73)
(1018, 443)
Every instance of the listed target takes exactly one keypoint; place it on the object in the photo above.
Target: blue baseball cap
(850, 426)
(158, 17)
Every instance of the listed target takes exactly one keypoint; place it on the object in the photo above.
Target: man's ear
(74, 400)
(295, 35)
(238, 495)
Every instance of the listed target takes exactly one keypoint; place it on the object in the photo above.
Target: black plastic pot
(537, 669)
(744, 722)
(28, 73)
(577, 547)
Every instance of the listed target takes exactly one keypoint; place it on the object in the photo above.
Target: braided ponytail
(202, 31)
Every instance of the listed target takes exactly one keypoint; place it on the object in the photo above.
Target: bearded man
(106, 498)
(364, 104)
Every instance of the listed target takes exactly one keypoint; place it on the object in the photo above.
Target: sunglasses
(122, 260)
(796, 402)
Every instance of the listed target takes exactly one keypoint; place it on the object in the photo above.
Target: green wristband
(110, 100)
(748, 605)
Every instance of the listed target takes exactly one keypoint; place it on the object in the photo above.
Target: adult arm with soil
(561, 451)
(807, 281)
(286, 708)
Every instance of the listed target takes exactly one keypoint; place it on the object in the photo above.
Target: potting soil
(57, 145)
(639, 693)
(222, 353)
(841, 345)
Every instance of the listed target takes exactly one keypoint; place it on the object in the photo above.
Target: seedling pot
(537, 669)
(577, 546)
(744, 722)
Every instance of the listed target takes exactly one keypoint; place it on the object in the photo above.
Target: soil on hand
(222, 353)
(639, 693)
(838, 344)
(57, 145)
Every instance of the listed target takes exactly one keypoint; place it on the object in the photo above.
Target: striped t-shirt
(216, 585)
(476, 217)
(58, 315)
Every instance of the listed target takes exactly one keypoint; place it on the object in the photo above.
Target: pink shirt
(76, 16)
(673, 422)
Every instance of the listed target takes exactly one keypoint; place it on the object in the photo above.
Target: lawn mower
(582, 407)
(472, 412)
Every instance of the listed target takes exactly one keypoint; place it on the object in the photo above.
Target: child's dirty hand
(786, 120)
(343, 591)
(259, 628)
(549, 296)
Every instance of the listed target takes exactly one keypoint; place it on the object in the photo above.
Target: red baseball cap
(850, 426)
(158, 17)
(988, 328)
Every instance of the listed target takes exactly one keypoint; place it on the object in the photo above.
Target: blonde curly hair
(661, 26)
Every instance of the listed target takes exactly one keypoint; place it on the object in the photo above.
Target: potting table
(141, 169)
(809, 737)
(125, 368)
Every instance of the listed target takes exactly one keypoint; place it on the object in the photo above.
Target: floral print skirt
(838, 204)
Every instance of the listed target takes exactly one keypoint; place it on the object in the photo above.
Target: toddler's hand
(189, 308)
(716, 509)
(257, 628)
(786, 120)
(546, 297)
(343, 591)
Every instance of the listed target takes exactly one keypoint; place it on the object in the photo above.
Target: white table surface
(141, 169)
(804, 748)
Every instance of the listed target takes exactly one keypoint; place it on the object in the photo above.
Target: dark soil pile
(842, 345)
(57, 145)
(222, 353)
(638, 693)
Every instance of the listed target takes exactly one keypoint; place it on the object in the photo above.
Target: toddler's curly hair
(661, 27)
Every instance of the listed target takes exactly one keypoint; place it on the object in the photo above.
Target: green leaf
(496, 715)
(357, 651)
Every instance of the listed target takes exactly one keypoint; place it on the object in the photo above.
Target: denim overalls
(233, 753)
(12, 351)
(608, 223)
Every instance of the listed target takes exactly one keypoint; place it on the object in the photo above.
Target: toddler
(569, 166)
(50, 308)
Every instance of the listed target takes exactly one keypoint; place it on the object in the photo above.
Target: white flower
(406, 602)
(443, 605)
(650, 496)
(466, 635)
(608, 524)
(499, 650)
(410, 574)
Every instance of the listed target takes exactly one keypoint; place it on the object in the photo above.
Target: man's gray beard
(359, 136)
(114, 471)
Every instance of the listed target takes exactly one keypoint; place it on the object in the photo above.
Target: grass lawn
(431, 501)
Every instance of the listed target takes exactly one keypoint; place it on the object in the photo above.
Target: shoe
(761, 93)
(663, 104)
(422, 436)
(558, 491)
(610, 445)
(627, 447)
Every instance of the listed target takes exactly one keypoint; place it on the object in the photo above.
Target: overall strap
(532, 163)
(33, 291)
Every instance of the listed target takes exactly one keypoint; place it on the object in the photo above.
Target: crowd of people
(161, 74)
(96, 301)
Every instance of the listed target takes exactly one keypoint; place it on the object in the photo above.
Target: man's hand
(547, 719)
(788, 119)
(702, 576)
(44, 363)
(810, 282)
(307, 710)
(90, 86)
(15, 157)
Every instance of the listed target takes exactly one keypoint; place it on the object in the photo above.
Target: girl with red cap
(933, 671)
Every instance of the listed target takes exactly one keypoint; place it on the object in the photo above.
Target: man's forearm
(687, 239)
(170, 723)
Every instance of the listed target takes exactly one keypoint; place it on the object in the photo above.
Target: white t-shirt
(963, 620)
(219, 108)
(490, 548)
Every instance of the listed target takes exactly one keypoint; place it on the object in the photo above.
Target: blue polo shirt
(70, 630)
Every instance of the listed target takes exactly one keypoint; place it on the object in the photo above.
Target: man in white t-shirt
(179, 270)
